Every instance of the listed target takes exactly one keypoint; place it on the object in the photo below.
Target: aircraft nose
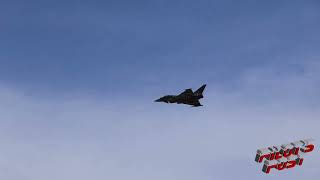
(158, 100)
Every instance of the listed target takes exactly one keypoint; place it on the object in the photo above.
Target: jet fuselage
(187, 97)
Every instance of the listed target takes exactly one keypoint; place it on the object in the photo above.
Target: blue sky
(121, 45)
(78, 80)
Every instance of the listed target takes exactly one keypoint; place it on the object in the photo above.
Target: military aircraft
(187, 97)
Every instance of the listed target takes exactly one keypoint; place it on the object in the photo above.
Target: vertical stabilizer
(200, 91)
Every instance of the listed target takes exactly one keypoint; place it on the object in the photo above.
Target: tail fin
(200, 90)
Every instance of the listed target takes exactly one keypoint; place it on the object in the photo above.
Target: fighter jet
(187, 97)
